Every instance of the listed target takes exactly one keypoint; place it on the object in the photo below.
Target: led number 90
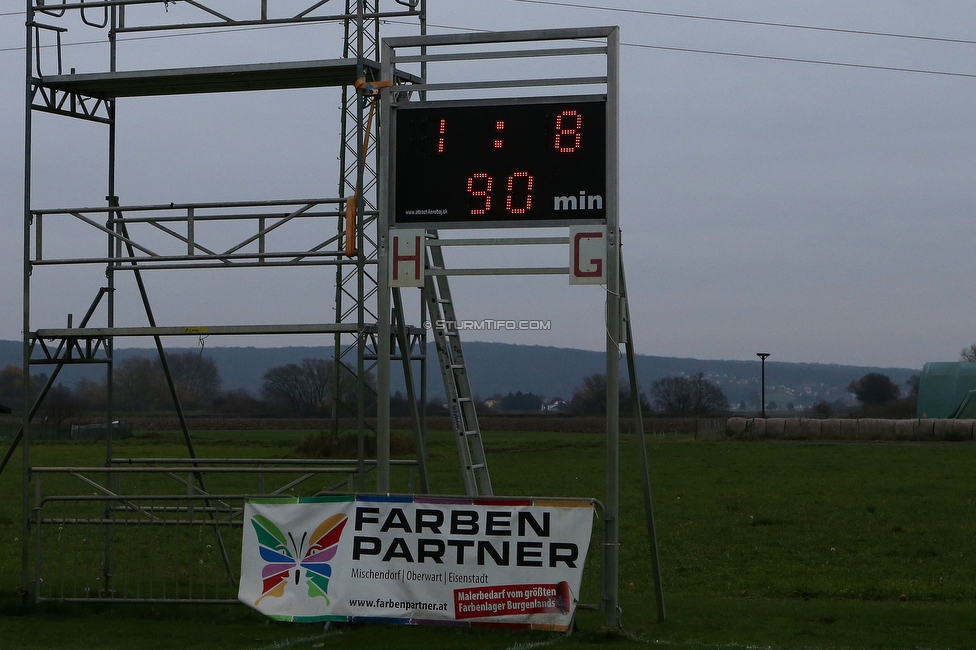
(517, 188)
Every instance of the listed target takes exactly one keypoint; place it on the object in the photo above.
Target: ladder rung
(454, 372)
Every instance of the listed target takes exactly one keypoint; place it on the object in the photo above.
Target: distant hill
(501, 368)
(11, 352)
(552, 372)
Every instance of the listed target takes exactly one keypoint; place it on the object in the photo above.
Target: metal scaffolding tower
(136, 240)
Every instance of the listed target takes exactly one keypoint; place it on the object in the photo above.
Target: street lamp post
(762, 356)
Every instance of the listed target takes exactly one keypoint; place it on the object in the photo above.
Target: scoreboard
(530, 162)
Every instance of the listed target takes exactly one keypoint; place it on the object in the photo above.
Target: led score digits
(518, 200)
(530, 162)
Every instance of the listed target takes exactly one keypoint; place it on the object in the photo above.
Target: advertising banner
(416, 560)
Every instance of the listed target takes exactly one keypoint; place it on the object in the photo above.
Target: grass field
(763, 544)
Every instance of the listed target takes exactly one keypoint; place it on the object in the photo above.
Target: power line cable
(646, 46)
(761, 23)
(740, 21)
(788, 59)
(764, 57)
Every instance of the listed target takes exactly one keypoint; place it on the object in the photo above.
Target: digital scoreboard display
(528, 163)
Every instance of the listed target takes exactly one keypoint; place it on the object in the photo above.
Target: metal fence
(161, 530)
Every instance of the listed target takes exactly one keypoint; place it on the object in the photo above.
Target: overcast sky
(822, 213)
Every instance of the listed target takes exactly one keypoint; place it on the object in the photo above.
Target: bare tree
(195, 377)
(299, 388)
(968, 354)
(12, 386)
(707, 396)
(672, 394)
(913, 384)
(91, 393)
(138, 385)
(688, 395)
(591, 397)
(61, 403)
(349, 387)
(286, 386)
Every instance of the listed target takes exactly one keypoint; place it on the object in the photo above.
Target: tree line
(309, 389)
(139, 384)
(677, 394)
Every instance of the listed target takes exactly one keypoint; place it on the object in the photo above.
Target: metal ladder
(440, 309)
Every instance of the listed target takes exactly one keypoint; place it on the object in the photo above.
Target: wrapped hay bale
(735, 427)
(875, 429)
(791, 428)
(848, 429)
(869, 429)
(905, 429)
(954, 430)
(924, 430)
(886, 429)
(811, 428)
(967, 429)
(830, 429)
(775, 427)
(755, 428)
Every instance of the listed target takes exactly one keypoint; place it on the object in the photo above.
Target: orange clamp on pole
(371, 89)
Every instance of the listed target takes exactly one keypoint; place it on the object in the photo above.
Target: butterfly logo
(281, 554)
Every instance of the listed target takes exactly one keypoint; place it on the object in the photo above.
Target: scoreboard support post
(452, 159)
(611, 524)
(384, 315)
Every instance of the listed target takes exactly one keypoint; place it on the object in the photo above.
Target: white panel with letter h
(407, 258)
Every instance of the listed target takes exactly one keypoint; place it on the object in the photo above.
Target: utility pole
(762, 356)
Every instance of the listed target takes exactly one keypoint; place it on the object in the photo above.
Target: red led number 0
(569, 130)
(518, 197)
(519, 200)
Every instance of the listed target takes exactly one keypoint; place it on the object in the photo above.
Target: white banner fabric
(416, 560)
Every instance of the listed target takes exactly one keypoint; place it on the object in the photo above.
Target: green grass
(763, 544)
